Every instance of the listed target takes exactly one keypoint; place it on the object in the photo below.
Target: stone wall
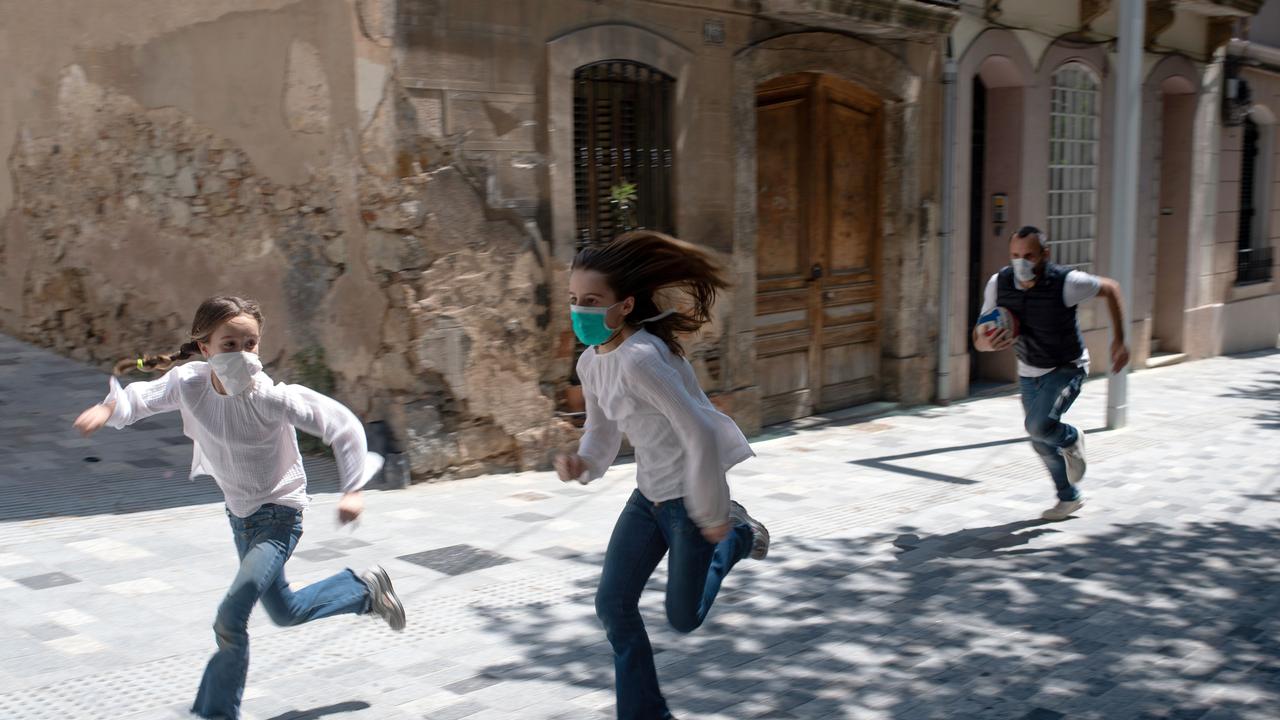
(493, 79)
(268, 150)
(388, 178)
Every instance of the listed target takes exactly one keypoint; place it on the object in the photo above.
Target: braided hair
(211, 314)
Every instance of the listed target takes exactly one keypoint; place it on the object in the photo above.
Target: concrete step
(1159, 360)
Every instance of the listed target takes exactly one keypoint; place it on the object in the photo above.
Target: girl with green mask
(636, 380)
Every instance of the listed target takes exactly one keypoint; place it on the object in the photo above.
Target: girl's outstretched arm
(127, 405)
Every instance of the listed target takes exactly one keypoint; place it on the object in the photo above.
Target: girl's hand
(92, 420)
(350, 507)
(570, 466)
(716, 534)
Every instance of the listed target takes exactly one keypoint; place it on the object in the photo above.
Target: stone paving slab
(909, 578)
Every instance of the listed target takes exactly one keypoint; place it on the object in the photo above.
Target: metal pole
(1124, 185)
(948, 224)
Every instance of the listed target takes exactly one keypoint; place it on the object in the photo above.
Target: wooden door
(818, 174)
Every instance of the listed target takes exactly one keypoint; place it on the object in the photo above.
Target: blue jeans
(265, 540)
(645, 532)
(1045, 399)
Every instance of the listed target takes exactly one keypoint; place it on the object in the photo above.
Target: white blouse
(683, 445)
(247, 441)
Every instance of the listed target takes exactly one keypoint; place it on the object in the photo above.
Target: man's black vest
(1048, 334)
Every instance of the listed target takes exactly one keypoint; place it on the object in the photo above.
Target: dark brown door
(818, 155)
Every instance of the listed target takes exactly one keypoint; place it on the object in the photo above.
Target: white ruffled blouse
(683, 445)
(247, 441)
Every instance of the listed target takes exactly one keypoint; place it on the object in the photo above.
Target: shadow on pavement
(335, 709)
(1139, 622)
(1268, 391)
(887, 463)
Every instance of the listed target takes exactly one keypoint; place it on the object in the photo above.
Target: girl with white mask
(636, 380)
(243, 427)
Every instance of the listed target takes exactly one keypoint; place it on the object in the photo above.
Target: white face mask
(1024, 271)
(235, 370)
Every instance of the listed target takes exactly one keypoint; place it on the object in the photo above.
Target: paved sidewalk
(909, 577)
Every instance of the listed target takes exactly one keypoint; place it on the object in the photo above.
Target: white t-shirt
(683, 444)
(1078, 287)
(247, 441)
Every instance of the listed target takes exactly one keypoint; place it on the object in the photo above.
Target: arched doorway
(1177, 120)
(819, 153)
(995, 194)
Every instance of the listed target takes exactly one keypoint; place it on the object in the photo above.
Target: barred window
(1245, 233)
(622, 150)
(1073, 165)
(1253, 244)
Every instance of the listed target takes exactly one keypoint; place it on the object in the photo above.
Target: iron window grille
(1073, 165)
(1253, 252)
(622, 128)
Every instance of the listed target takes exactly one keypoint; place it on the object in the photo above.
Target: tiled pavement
(909, 578)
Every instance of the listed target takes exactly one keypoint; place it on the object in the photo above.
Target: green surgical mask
(589, 324)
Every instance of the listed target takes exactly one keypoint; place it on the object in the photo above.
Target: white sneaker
(383, 600)
(1074, 456)
(759, 534)
(1063, 509)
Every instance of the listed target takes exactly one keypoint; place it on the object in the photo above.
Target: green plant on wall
(623, 198)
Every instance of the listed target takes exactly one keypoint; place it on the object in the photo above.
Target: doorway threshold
(866, 411)
(1165, 359)
(990, 388)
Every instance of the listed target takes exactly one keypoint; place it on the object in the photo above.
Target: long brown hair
(211, 313)
(641, 263)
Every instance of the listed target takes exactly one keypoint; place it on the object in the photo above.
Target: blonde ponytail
(211, 314)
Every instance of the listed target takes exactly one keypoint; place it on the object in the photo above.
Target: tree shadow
(313, 713)
(1021, 620)
(1273, 497)
(1266, 389)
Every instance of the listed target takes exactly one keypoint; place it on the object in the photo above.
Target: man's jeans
(265, 540)
(644, 533)
(1045, 399)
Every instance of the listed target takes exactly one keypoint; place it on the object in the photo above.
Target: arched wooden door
(818, 151)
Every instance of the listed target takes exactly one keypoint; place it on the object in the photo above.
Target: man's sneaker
(759, 533)
(1074, 456)
(383, 600)
(1063, 509)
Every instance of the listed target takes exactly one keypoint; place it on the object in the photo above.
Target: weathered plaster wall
(266, 149)
(379, 173)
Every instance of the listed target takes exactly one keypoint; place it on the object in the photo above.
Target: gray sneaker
(1063, 509)
(759, 533)
(383, 600)
(1074, 456)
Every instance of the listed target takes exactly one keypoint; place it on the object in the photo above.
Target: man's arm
(1001, 340)
(1109, 289)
